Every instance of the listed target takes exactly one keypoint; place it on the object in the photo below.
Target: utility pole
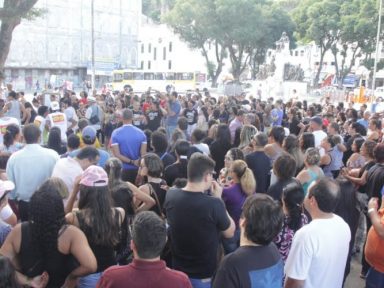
(377, 47)
(93, 43)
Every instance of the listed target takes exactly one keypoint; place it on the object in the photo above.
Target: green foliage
(35, 13)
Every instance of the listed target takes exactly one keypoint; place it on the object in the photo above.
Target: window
(184, 76)
(333, 63)
(164, 53)
(170, 76)
(138, 75)
(170, 46)
(302, 53)
(128, 76)
(159, 76)
(149, 48)
(317, 63)
(154, 53)
(142, 65)
(117, 77)
(149, 76)
(169, 64)
(149, 64)
(142, 48)
(296, 53)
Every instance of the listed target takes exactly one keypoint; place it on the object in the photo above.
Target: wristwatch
(370, 210)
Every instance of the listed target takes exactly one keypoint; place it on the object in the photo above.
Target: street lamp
(377, 46)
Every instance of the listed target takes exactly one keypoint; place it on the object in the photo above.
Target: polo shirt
(67, 169)
(104, 156)
(143, 274)
(129, 139)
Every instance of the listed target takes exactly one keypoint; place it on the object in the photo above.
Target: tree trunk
(7, 27)
(317, 78)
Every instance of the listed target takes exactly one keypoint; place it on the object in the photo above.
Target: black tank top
(58, 265)
(160, 193)
(105, 255)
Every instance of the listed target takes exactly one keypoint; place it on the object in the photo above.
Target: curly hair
(46, 217)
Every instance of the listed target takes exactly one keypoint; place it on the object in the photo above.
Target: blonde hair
(246, 135)
(245, 175)
(212, 132)
(60, 184)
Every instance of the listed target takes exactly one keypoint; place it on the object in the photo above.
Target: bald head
(326, 192)
(127, 115)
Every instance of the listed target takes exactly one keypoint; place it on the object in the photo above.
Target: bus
(141, 80)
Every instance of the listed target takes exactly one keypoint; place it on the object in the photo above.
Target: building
(57, 46)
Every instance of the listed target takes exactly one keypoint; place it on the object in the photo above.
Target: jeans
(89, 281)
(375, 279)
(200, 283)
(170, 129)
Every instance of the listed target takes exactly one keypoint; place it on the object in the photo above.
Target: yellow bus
(141, 80)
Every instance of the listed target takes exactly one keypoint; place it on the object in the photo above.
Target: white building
(57, 46)
(161, 50)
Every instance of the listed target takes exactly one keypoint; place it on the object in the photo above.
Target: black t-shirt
(137, 120)
(249, 267)
(260, 165)
(276, 189)
(218, 150)
(166, 158)
(154, 119)
(191, 115)
(195, 221)
(174, 171)
(366, 167)
(375, 181)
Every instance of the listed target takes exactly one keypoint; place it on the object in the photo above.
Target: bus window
(170, 76)
(138, 76)
(184, 76)
(128, 76)
(149, 76)
(117, 77)
(159, 76)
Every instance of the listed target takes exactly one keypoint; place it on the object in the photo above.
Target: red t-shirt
(143, 274)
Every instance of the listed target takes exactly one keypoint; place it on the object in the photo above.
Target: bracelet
(370, 210)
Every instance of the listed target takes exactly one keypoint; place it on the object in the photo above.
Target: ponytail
(10, 134)
(293, 197)
(245, 175)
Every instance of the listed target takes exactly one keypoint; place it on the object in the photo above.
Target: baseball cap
(6, 186)
(94, 176)
(88, 133)
(317, 120)
(55, 106)
(91, 99)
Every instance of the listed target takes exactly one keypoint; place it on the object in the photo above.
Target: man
(319, 250)
(196, 220)
(67, 169)
(316, 125)
(82, 124)
(277, 114)
(173, 110)
(42, 113)
(374, 253)
(236, 124)
(257, 263)
(29, 168)
(149, 235)
(72, 118)
(259, 162)
(129, 144)
(13, 108)
(89, 136)
(57, 119)
(179, 168)
(94, 113)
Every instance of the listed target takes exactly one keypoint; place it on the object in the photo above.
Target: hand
(373, 203)
(216, 189)
(164, 187)
(39, 281)
(136, 162)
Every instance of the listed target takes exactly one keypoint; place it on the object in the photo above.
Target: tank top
(313, 177)
(327, 169)
(58, 265)
(160, 193)
(105, 255)
(14, 111)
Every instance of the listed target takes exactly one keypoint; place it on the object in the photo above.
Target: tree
(10, 15)
(319, 21)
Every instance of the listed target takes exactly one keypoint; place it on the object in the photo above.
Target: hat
(88, 133)
(55, 106)
(91, 99)
(317, 120)
(94, 176)
(6, 186)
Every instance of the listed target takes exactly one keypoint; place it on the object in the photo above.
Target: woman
(11, 140)
(311, 171)
(291, 146)
(220, 146)
(232, 155)
(246, 136)
(293, 121)
(97, 218)
(55, 142)
(178, 170)
(243, 185)
(327, 161)
(154, 116)
(151, 168)
(30, 114)
(202, 118)
(356, 161)
(374, 132)
(306, 140)
(294, 218)
(7, 274)
(45, 250)
(191, 114)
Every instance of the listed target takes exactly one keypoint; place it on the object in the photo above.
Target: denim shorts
(89, 281)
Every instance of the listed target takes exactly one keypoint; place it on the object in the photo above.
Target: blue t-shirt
(277, 115)
(104, 156)
(175, 107)
(129, 138)
(363, 122)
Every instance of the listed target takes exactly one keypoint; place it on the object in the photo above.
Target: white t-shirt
(319, 136)
(67, 169)
(319, 253)
(204, 148)
(58, 119)
(71, 115)
(4, 122)
(40, 122)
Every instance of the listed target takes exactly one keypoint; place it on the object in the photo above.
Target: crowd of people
(113, 190)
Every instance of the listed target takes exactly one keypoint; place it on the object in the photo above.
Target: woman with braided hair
(46, 251)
